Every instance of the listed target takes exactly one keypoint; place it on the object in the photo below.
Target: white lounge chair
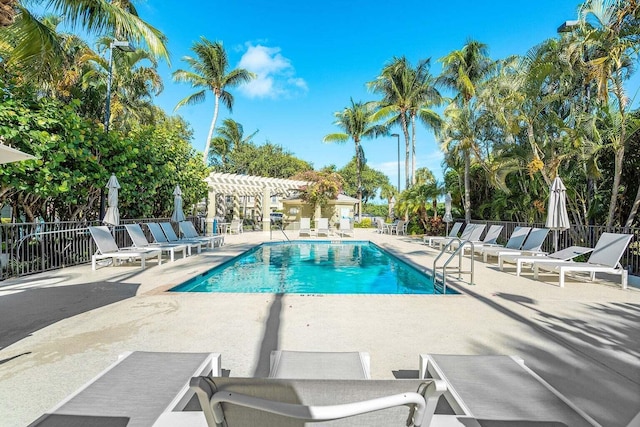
(189, 232)
(323, 227)
(490, 238)
(320, 365)
(531, 246)
(108, 249)
(274, 402)
(517, 238)
(235, 227)
(138, 390)
(455, 229)
(346, 228)
(566, 254)
(471, 233)
(160, 237)
(140, 241)
(305, 227)
(500, 390)
(605, 258)
(172, 237)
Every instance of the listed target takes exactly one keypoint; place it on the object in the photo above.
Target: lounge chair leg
(625, 279)
(93, 263)
(142, 260)
(561, 278)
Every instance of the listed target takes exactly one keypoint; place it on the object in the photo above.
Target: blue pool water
(314, 268)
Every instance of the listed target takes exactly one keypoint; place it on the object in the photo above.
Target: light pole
(125, 47)
(398, 136)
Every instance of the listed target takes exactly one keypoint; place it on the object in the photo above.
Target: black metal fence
(28, 248)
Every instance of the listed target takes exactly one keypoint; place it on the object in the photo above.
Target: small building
(295, 208)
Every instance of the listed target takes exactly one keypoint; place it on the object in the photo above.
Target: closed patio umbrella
(8, 155)
(177, 214)
(447, 211)
(112, 216)
(557, 216)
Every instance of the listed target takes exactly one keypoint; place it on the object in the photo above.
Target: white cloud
(275, 74)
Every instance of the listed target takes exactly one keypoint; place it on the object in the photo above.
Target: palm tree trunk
(359, 172)
(413, 150)
(207, 145)
(405, 130)
(619, 157)
(467, 193)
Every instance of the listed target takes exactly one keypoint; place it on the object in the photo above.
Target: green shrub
(364, 223)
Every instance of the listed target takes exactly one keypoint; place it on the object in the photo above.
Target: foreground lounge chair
(189, 232)
(108, 249)
(501, 391)
(137, 390)
(140, 241)
(346, 228)
(531, 246)
(455, 229)
(305, 227)
(323, 227)
(160, 237)
(320, 365)
(275, 402)
(566, 254)
(605, 258)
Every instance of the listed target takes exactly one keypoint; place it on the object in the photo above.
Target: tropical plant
(37, 45)
(463, 71)
(357, 121)
(230, 136)
(210, 72)
(323, 186)
(371, 181)
(407, 93)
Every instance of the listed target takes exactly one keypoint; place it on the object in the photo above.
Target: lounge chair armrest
(422, 406)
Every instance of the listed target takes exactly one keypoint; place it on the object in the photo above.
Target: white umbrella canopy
(8, 155)
(177, 214)
(557, 215)
(112, 216)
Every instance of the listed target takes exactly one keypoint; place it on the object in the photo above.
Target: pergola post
(266, 209)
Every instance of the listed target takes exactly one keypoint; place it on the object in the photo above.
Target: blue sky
(312, 57)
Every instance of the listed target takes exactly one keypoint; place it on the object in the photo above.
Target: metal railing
(457, 251)
(28, 248)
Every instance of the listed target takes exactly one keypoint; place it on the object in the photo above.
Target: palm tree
(407, 93)
(358, 122)
(230, 136)
(210, 73)
(463, 70)
(611, 32)
(388, 192)
(36, 42)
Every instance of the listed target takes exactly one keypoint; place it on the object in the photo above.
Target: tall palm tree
(210, 72)
(358, 122)
(611, 31)
(462, 71)
(407, 93)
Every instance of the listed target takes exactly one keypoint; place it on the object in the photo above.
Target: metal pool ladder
(458, 251)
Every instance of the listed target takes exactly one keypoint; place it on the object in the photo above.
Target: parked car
(276, 217)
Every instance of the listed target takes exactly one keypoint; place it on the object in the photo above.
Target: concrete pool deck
(59, 329)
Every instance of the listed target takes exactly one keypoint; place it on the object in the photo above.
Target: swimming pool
(314, 268)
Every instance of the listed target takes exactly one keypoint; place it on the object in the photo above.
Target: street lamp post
(398, 136)
(125, 47)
